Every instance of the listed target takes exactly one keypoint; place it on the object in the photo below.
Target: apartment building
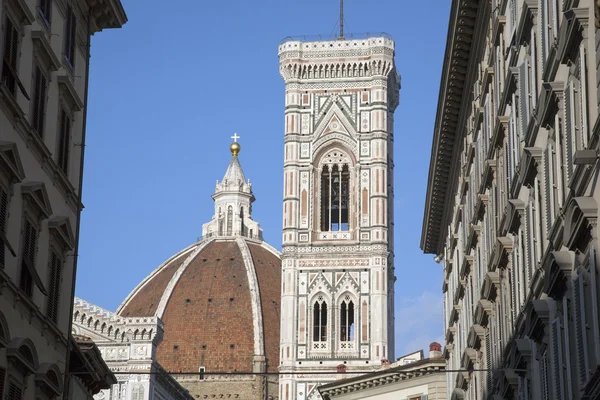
(44, 53)
(512, 200)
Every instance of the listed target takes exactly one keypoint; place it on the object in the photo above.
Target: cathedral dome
(219, 298)
(219, 302)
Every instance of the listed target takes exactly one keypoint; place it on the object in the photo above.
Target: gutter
(79, 201)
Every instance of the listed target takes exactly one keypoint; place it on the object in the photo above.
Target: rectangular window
(39, 101)
(64, 141)
(8, 76)
(45, 7)
(70, 36)
(201, 371)
(3, 218)
(28, 257)
(54, 271)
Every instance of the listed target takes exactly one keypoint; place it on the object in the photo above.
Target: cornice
(462, 43)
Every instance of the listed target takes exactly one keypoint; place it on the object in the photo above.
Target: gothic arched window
(335, 192)
(229, 220)
(320, 321)
(347, 320)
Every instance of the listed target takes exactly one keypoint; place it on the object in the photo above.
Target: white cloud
(419, 322)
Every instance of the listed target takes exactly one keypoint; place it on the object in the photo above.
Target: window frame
(27, 218)
(62, 159)
(70, 34)
(42, 110)
(54, 291)
(45, 12)
(12, 69)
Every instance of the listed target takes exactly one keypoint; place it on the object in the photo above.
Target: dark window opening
(64, 142)
(320, 322)
(347, 321)
(70, 36)
(335, 198)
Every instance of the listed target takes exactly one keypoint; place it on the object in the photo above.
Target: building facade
(512, 200)
(44, 52)
(128, 347)
(338, 278)
(412, 377)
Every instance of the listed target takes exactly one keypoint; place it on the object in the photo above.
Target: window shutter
(28, 256)
(9, 60)
(488, 363)
(39, 102)
(14, 392)
(580, 332)
(569, 128)
(70, 36)
(2, 380)
(54, 269)
(583, 96)
(544, 32)
(544, 376)
(548, 190)
(534, 77)
(523, 98)
(64, 142)
(557, 360)
(3, 217)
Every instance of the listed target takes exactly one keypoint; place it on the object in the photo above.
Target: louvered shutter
(569, 131)
(533, 62)
(28, 256)
(14, 392)
(54, 269)
(64, 142)
(583, 97)
(547, 179)
(488, 363)
(3, 217)
(9, 60)
(523, 98)
(544, 376)
(580, 331)
(557, 360)
(2, 381)
(544, 33)
(39, 102)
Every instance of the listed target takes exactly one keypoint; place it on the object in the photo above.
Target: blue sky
(169, 89)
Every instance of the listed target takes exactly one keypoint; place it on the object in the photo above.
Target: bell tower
(337, 265)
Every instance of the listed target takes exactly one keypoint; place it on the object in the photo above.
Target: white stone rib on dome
(140, 286)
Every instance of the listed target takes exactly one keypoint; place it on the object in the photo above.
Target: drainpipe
(79, 202)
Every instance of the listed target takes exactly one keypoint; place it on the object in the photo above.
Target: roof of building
(219, 302)
(449, 127)
(87, 364)
(384, 376)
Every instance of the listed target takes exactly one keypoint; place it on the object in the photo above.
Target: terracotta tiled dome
(219, 302)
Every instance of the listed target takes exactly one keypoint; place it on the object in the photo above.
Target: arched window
(229, 220)
(335, 192)
(320, 320)
(221, 222)
(347, 320)
(242, 221)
